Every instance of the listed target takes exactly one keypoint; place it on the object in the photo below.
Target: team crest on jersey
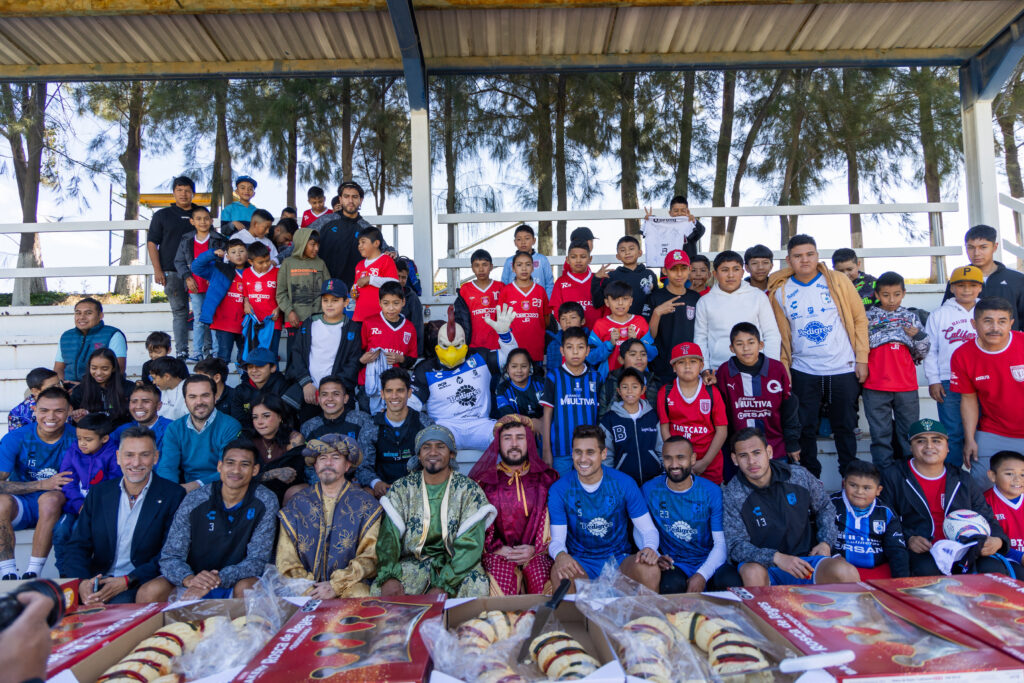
(773, 386)
(1017, 371)
(691, 312)
(526, 305)
(593, 386)
(683, 531)
(705, 406)
(599, 526)
(406, 337)
(826, 298)
(484, 301)
(471, 362)
(878, 526)
(258, 286)
(647, 284)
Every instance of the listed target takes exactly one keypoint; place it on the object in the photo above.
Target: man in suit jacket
(117, 540)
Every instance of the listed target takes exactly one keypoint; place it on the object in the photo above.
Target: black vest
(220, 538)
(395, 445)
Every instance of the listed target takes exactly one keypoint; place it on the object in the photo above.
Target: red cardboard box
(989, 607)
(891, 640)
(88, 629)
(354, 639)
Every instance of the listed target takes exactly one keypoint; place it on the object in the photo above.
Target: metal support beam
(408, 35)
(422, 208)
(984, 74)
(980, 164)
(172, 70)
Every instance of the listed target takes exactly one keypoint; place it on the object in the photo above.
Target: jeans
(883, 409)
(949, 416)
(203, 339)
(840, 393)
(224, 344)
(177, 297)
(63, 530)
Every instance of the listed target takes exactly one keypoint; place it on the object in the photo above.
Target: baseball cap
(336, 287)
(926, 426)
(245, 179)
(676, 257)
(260, 357)
(685, 350)
(967, 274)
(582, 235)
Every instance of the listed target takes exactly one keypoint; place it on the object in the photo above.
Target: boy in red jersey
(374, 270)
(389, 333)
(1006, 497)
(578, 284)
(619, 325)
(530, 303)
(259, 289)
(477, 300)
(693, 409)
(317, 206)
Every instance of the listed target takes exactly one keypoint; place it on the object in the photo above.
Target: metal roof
(84, 39)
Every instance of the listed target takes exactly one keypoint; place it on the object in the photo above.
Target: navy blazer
(93, 545)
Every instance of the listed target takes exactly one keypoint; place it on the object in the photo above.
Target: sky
(160, 166)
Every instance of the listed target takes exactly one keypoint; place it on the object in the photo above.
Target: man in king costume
(329, 530)
(516, 481)
(432, 538)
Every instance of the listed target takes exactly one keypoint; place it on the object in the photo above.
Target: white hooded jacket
(718, 312)
(948, 327)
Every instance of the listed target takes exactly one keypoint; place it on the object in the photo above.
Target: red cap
(685, 350)
(675, 257)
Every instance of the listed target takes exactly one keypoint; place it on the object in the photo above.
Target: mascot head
(451, 342)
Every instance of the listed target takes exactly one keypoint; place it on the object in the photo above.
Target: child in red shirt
(259, 289)
(619, 325)
(578, 284)
(1006, 498)
(317, 206)
(477, 300)
(374, 270)
(695, 410)
(530, 302)
(389, 333)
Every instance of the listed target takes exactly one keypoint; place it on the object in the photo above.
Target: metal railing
(1017, 206)
(457, 260)
(144, 268)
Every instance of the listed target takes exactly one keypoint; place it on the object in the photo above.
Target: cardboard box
(891, 640)
(589, 635)
(89, 668)
(342, 640)
(989, 607)
(88, 629)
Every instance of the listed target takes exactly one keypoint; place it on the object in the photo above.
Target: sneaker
(29, 575)
(183, 355)
(195, 358)
(9, 577)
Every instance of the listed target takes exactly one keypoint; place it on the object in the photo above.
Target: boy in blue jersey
(870, 534)
(570, 400)
(30, 480)
(589, 508)
(687, 510)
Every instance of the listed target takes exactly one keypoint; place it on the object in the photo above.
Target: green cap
(926, 426)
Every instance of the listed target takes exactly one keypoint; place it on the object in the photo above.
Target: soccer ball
(963, 523)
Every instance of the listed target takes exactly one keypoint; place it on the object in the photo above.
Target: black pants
(674, 580)
(923, 564)
(839, 392)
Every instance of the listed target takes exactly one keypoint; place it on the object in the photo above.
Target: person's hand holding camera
(25, 644)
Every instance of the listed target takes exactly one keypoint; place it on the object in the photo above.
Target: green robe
(433, 536)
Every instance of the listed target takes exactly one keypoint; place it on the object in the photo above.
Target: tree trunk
(627, 148)
(545, 161)
(560, 170)
(853, 192)
(223, 148)
(932, 179)
(685, 135)
(789, 193)
(748, 148)
(1006, 122)
(346, 129)
(27, 162)
(130, 161)
(722, 158)
(292, 167)
(450, 159)
(383, 134)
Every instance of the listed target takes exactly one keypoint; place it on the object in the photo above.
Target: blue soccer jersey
(685, 519)
(574, 400)
(596, 523)
(29, 458)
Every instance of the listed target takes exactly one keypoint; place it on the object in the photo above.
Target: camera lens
(10, 607)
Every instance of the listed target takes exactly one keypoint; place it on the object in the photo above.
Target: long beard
(512, 461)
(680, 477)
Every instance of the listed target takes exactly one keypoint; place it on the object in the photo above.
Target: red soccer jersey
(230, 310)
(198, 248)
(398, 337)
(261, 291)
(368, 303)
(308, 217)
(998, 380)
(531, 317)
(1009, 515)
(935, 495)
(891, 368)
(696, 419)
(603, 329)
(570, 287)
(481, 304)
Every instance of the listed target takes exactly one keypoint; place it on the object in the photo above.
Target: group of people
(665, 423)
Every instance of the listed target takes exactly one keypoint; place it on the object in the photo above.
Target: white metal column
(422, 205)
(980, 164)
